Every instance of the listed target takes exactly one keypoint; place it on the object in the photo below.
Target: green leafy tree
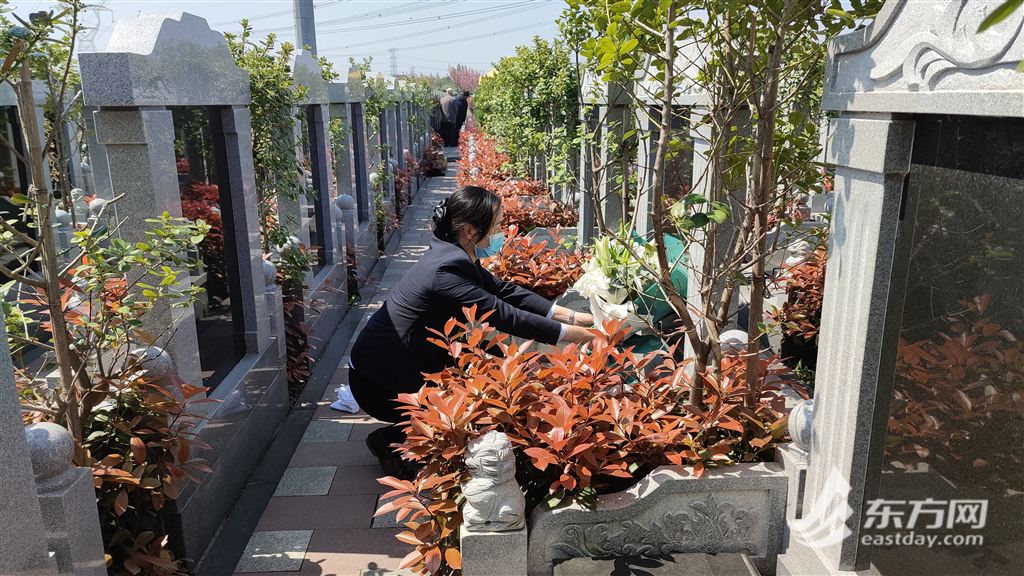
(529, 102)
(759, 67)
(274, 111)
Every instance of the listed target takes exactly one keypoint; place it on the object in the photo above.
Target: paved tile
(361, 429)
(327, 497)
(275, 551)
(320, 431)
(325, 412)
(358, 480)
(385, 520)
(318, 512)
(332, 454)
(306, 481)
(340, 551)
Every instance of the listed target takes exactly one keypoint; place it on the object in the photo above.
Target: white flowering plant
(614, 276)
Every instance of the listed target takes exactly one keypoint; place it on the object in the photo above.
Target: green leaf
(619, 7)
(677, 211)
(699, 219)
(840, 14)
(694, 198)
(999, 14)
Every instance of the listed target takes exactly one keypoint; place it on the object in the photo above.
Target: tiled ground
(320, 519)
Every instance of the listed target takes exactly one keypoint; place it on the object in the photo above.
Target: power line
(423, 19)
(446, 62)
(506, 11)
(457, 40)
(394, 11)
(399, 10)
(273, 14)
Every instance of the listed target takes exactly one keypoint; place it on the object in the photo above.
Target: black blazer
(392, 350)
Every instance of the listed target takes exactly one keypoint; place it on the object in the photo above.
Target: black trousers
(450, 133)
(380, 403)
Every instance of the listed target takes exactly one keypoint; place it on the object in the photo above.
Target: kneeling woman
(392, 353)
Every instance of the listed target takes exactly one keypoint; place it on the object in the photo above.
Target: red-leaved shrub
(800, 315)
(529, 214)
(547, 270)
(582, 420)
(487, 159)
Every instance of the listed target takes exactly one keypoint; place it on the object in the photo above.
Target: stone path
(320, 518)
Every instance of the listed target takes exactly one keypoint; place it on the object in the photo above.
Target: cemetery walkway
(319, 519)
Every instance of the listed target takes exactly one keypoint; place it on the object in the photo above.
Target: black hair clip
(439, 211)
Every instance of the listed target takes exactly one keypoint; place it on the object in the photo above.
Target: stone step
(674, 565)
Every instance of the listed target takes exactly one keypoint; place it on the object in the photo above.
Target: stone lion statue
(494, 501)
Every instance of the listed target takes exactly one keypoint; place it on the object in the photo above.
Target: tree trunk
(764, 184)
(51, 276)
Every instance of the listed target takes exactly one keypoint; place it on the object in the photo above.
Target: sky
(427, 35)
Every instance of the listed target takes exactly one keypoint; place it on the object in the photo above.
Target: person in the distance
(392, 352)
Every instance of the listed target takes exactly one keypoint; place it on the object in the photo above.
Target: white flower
(594, 283)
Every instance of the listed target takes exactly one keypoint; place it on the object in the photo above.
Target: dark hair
(471, 205)
(466, 93)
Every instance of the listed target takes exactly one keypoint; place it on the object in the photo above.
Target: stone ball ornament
(51, 449)
(269, 273)
(733, 341)
(494, 501)
(86, 169)
(290, 245)
(801, 419)
(155, 363)
(345, 202)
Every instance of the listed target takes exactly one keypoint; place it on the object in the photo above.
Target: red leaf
(453, 558)
(432, 559)
(138, 450)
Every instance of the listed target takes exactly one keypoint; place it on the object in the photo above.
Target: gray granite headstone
(917, 57)
(22, 536)
(152, 62)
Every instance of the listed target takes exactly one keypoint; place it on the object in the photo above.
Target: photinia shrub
(529, 214)
(583, 420)
(491, 162)
(546, 270)
(800, 315)
(140, 447)
(434, 162)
